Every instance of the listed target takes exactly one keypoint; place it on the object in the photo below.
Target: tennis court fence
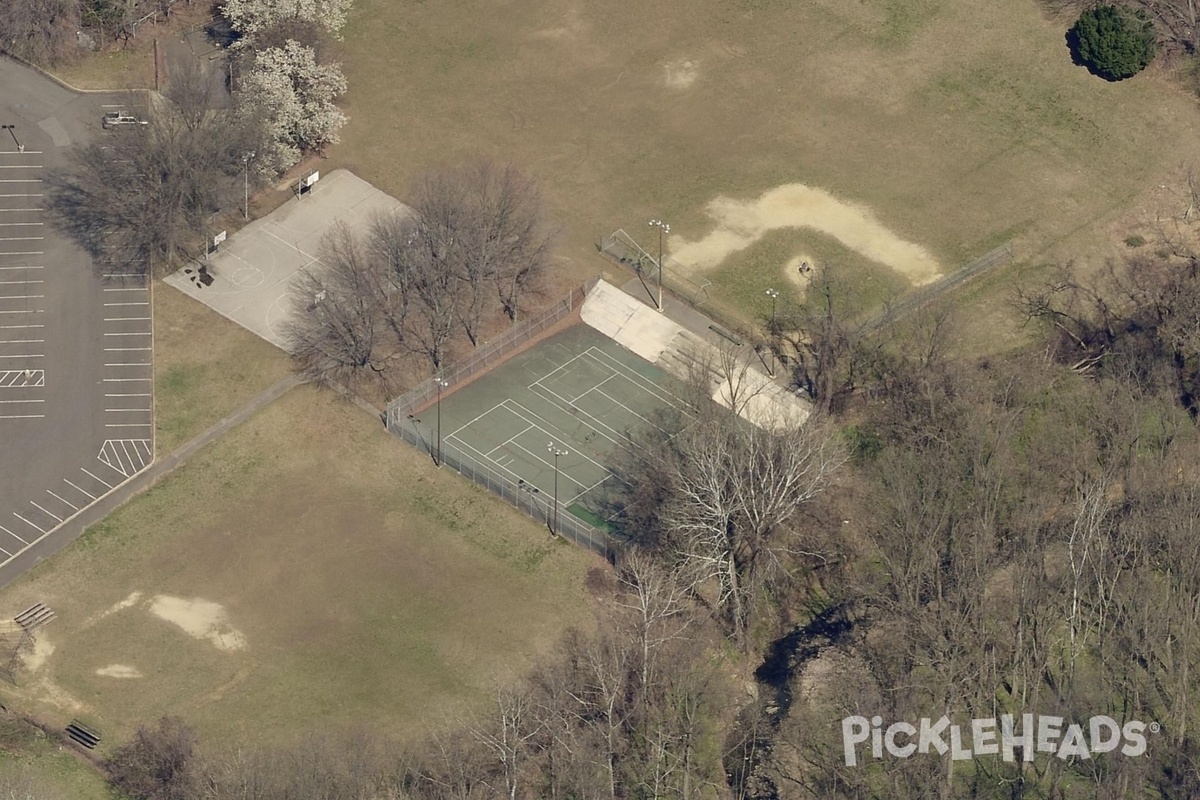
(487, 356)
(524, 496)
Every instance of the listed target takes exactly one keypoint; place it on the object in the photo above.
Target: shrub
(1114, 42)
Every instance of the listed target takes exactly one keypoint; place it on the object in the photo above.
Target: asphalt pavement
(75, 337)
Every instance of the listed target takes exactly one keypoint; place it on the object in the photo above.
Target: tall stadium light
(246, 159)
(441, 384)
(556, 453)
(772, 293)
(662, 228)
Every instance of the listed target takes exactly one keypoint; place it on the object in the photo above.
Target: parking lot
(75, 337)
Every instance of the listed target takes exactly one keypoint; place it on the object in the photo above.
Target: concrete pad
(255, 268)
(757, 398)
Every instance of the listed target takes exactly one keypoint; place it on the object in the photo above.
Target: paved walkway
(73, 526)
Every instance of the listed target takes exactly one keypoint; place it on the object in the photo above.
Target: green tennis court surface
(577, 391)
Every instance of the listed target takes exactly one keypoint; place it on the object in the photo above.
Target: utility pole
(441, 384)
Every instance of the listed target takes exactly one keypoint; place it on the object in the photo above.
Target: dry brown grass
(204, 367)
(370, 588)
(961, 124)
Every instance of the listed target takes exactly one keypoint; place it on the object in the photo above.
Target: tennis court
(578, 394)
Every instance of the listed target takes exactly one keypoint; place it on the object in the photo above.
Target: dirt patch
(133, 599)
(200, 619)
(741, 223)
(799, 271)
(119, 671)
(34, 658)
(680, 74)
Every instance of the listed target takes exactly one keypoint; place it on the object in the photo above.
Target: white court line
(597, 386)
(62, 499)
(595, 423)
(10, 533)
(97, 477)
(588, 489)
(622, 405)
(507, 441)
(481, 416)
(30, 524)
(636, 378)
(286, 243)
(576, 451)
(85, 491)
(35, 505)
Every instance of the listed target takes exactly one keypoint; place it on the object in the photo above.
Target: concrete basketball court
(254, 269)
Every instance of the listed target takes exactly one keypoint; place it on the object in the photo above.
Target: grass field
(204, 367)
(959, 125)
(318, 573)
(29, 759)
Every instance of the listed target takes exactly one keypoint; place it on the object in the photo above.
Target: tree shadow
(1072, 40)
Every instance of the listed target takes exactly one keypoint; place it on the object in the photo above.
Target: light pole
(662, 228)
(772, 293)
(12, 132)
(441, 384)
(556, 453)
(246, 159)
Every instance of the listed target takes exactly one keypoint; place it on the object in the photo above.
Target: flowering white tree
(249, 17)
(293, 95)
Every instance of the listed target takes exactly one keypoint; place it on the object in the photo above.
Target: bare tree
(336, 332)
(142, 196)
(158, 763)
(41, 31)
(735, 486)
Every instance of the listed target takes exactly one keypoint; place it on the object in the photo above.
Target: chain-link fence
(524, 496)
(487, 356)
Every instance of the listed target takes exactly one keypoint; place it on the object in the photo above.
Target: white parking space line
(127, 319)
(21, 283)
(22, 341)
(124, 380)
(62, 500)
(30, 524)
(127, 425)
(21, 166)
(97, 477)
(22, 401)
(22, 416)
(125, 349)
(117, 410)
(21, 180)
(44, 511)
(133, 333)
(11, 327)
(28, 355)
(10, 533)
(138, 303)
(127, 289)
(79, 489)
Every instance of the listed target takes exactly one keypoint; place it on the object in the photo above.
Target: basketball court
(249, 276)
